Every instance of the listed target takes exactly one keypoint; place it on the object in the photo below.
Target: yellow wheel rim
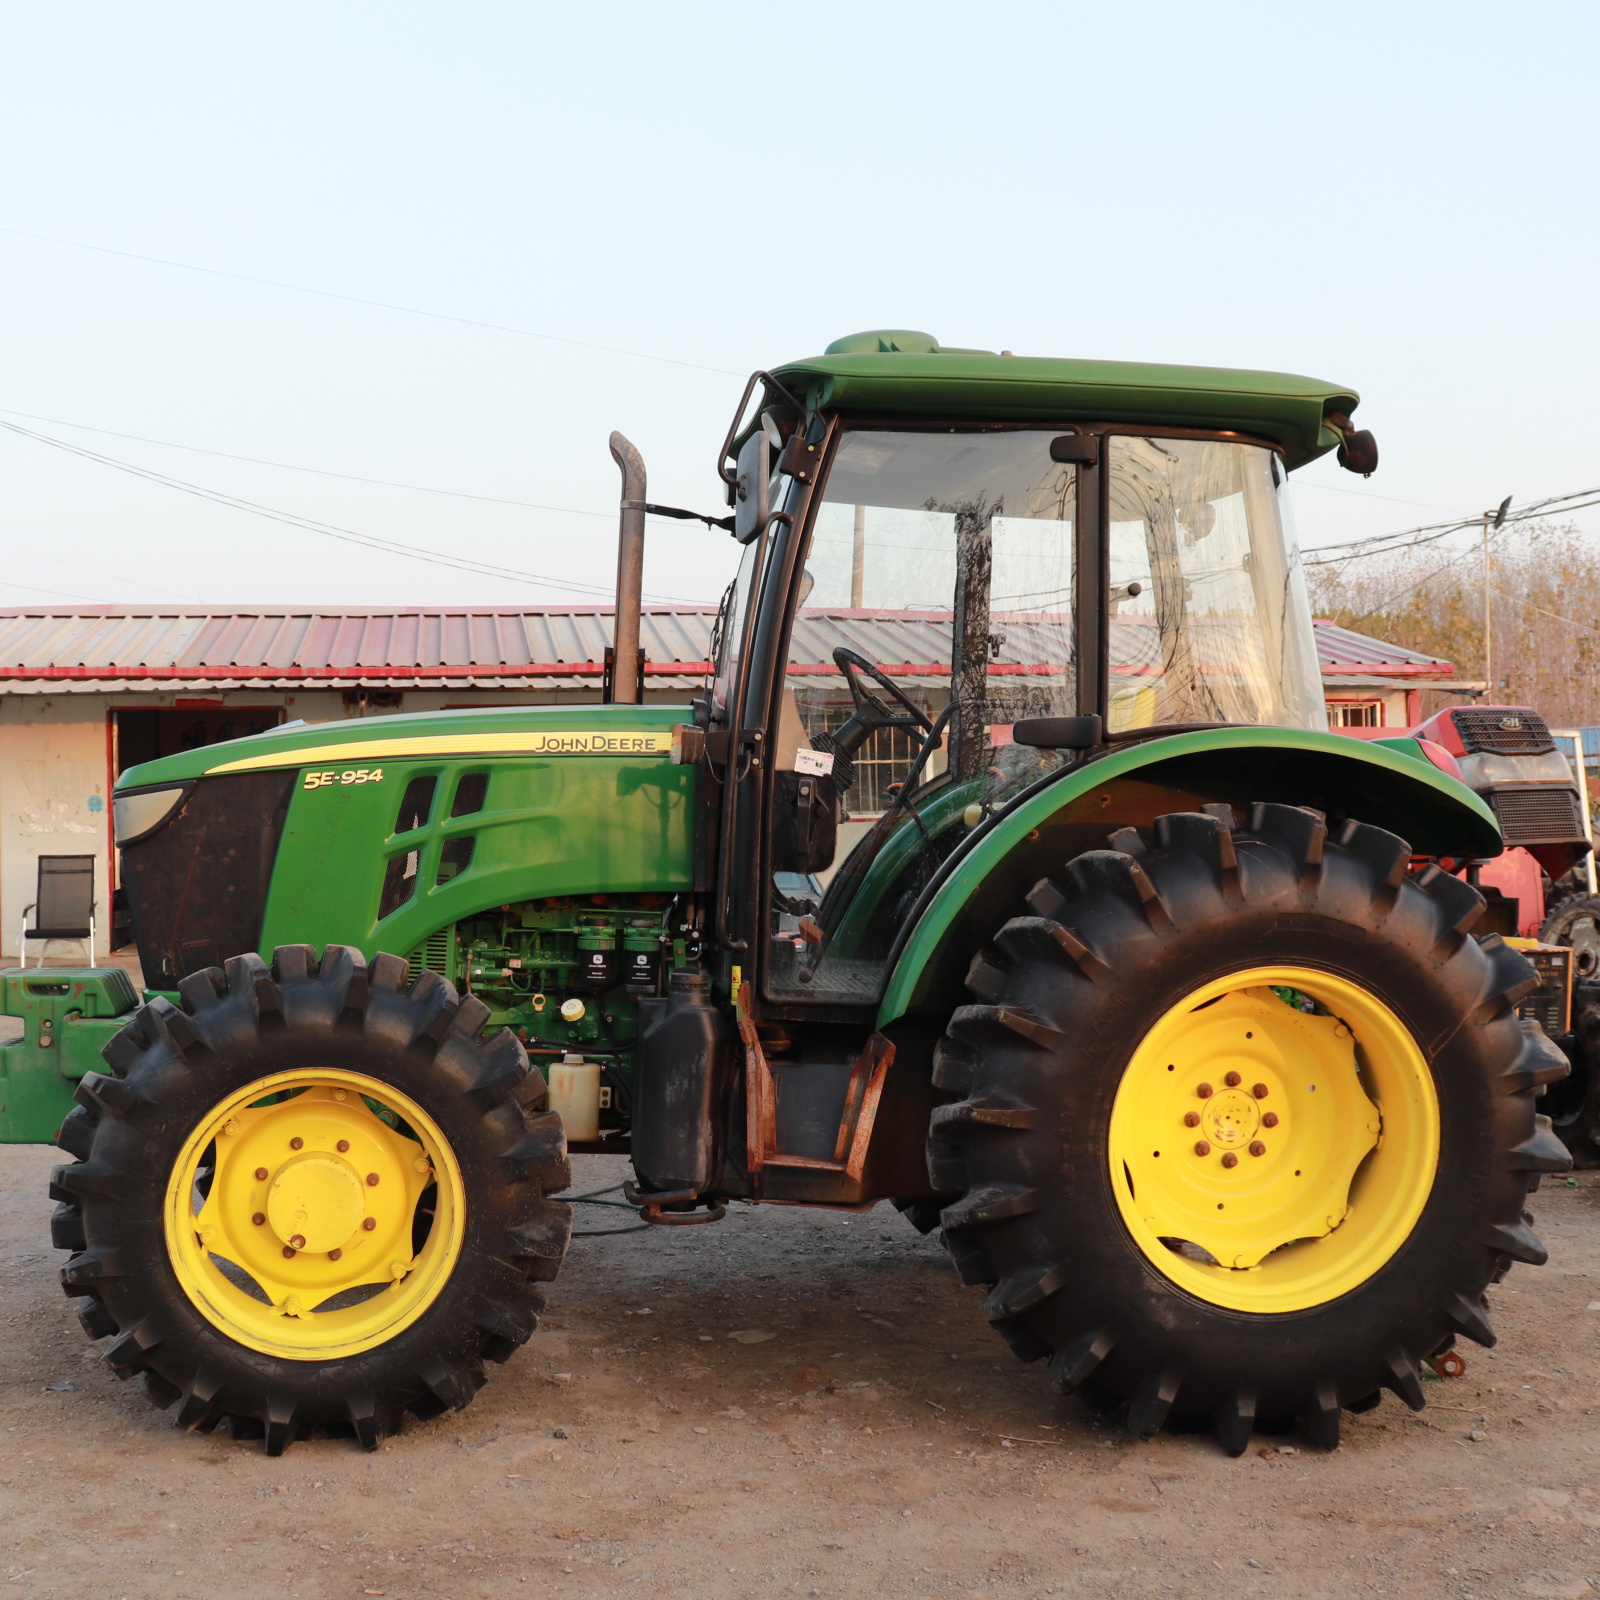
(313, 1215)
(1268, 1157)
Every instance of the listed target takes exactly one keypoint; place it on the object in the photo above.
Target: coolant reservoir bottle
(575, 1095)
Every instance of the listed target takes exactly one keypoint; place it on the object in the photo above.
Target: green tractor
(1005, 869)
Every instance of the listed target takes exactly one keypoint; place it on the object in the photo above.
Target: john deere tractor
(1005, 869)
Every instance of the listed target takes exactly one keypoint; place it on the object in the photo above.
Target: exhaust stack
(622, 682)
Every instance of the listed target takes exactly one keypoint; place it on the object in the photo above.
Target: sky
(648, 202)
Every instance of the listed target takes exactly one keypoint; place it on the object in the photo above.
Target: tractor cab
(941, 606)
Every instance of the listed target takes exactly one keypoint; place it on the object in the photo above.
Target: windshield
(935, 611)
(945, 560)
(1209, 620)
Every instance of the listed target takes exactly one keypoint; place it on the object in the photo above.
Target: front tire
(1139, 1219)
(311, 1200)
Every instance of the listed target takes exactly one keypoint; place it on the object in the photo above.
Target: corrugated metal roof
(101, 647)
(1340, 650)
(98, 649)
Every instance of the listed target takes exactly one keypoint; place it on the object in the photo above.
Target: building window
(1355, 714)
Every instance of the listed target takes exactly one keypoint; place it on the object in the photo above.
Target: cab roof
(900, 372)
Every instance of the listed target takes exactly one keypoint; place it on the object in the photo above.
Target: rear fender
(983, 882)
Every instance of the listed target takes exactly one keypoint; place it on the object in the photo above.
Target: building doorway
(144, 733)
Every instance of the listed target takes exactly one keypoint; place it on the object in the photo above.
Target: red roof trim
(543, 669)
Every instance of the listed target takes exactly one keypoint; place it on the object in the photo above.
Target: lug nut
(1230, 1160)
(369, 1223)
(298, 1240)
(296, 1143)
(1201, 1148)
(230, 1126)
(260, 1219)
(1257, 1148)
(1269, 1119)
(341, 1094)
(342, 1146)
(288, 1252)
(261, 1174)
(1232, 1080)
(1205, 1091)
(333, 1255)
(1191, 1119)
(1260, 1091)
(372, 1180)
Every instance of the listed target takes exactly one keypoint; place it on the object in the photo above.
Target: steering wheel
(870, 713)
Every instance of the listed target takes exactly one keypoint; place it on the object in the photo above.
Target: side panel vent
(471, 792)
(437, 953)
(399, 883)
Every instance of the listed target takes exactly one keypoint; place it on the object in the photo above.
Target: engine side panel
(563, 825)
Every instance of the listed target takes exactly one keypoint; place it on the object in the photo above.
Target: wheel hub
(1230, 1119)
(1274, 1138)
(316, 1202)
(293, 1210)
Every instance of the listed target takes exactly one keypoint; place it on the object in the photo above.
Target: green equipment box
(67, 1015)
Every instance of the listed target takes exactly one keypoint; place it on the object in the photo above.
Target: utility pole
(1493, 521)
(858, 559)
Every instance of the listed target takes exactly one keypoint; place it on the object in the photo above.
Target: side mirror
(750, 488)
(1057, 733)
(1359, 453)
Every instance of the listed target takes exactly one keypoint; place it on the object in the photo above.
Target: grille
(1506, 733)
(1538, 814)
(433, 955)
(197, 888)
(1549, 1005)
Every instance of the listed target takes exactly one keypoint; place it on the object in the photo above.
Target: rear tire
(1574, 1106)
(1053, 1062)
(158, 1215)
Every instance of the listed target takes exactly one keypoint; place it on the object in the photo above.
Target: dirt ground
(791, 1402)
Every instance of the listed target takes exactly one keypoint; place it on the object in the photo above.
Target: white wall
(54, 799)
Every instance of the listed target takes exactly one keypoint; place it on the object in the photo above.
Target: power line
(1367, 494)
(290, 466)
(359, 300)
(66, 594)
(1410, 538)
(327, 529)
(1554, 504)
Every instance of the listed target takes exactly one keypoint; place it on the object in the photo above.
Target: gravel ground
(798, 1403)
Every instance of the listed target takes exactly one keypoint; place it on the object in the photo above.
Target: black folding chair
(65, 904)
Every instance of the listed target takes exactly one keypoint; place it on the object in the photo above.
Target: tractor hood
(381, 832)
(593, 730)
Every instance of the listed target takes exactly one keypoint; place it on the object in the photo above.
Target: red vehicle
(1539, 890)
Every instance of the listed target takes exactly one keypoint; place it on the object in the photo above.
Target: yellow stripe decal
(563, 742)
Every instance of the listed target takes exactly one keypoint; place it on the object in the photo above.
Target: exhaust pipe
(623, 680)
